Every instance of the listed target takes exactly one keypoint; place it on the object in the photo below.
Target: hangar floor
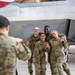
(23, 70)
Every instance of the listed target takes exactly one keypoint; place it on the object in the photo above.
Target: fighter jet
(59, 15)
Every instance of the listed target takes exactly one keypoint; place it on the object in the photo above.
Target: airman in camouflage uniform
(10, 49)
(39, 57)
(35, 37)
(57, 54)
(47, 31)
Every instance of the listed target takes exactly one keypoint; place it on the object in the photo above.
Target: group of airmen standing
(38, 43)
(54, 44)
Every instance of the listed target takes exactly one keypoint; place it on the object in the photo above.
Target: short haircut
(47, 27)
(4, 22)
(42, 33)
(37, 28)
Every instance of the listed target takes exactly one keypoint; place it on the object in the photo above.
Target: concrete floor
(23, 70)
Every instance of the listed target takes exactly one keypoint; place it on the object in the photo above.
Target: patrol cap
(37, 28)
(4, 21)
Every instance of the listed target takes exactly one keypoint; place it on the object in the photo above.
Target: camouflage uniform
(66, 68)
(40, 58)
(10, 49)
(32, 40)
(65, 65)
(56, 57)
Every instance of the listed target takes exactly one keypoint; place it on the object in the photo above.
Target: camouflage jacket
(57, 50)
(39, 51)
(50, 36)
(10, 49)
(33, 41)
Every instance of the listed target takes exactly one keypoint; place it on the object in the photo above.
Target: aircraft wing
(39, 11)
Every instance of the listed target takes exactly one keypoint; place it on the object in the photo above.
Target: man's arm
(23, 52)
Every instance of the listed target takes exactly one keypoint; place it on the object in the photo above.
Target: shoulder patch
(36, 49)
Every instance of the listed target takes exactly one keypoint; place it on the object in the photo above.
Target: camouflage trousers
(56, 68)
(40, 67)
(64, 65)
(66, 68)
(8, 73)
(30, 68)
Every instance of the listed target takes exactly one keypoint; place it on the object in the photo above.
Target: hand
(65, 40)
(19, 39)
(28, 43)
(47, 45)
(59, 41)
